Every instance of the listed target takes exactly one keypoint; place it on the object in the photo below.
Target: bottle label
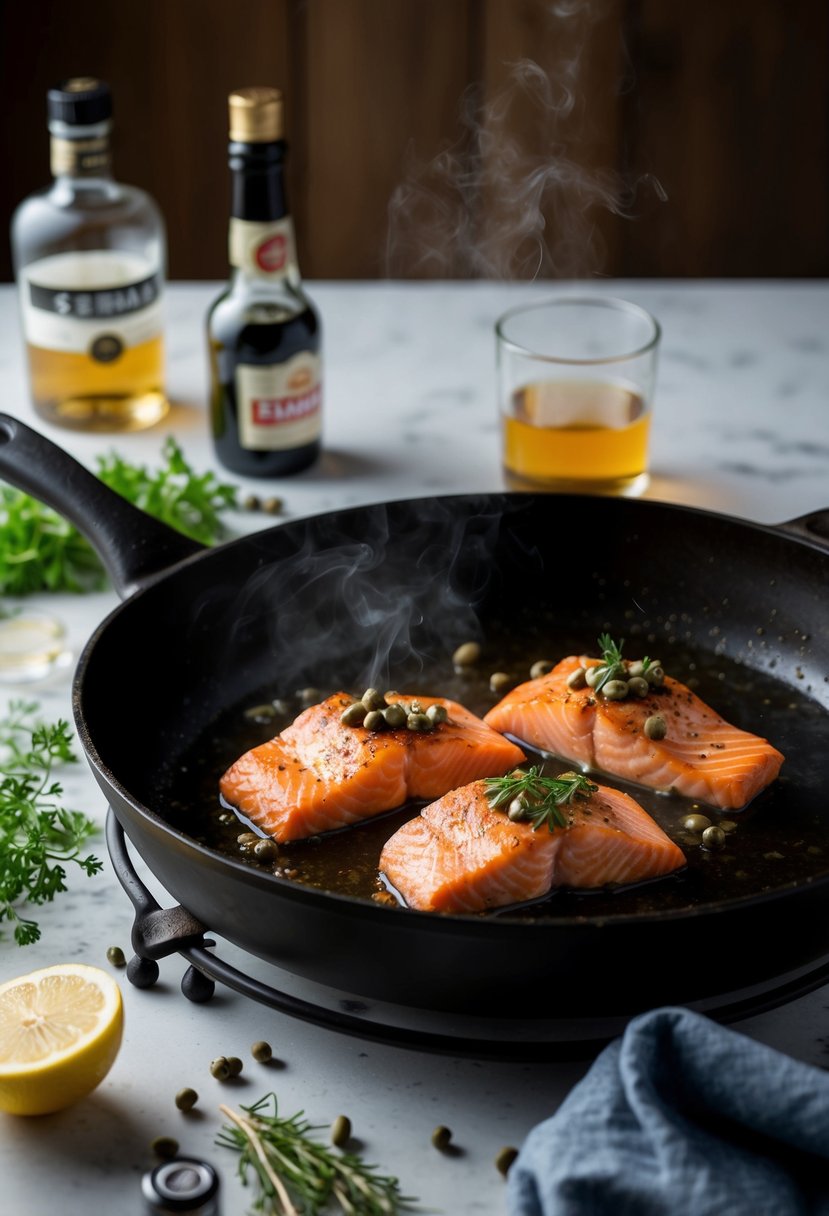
(96, 303)
(279, 404)
(265, 251)
(79, 157)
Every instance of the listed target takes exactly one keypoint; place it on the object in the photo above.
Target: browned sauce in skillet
(782, 838)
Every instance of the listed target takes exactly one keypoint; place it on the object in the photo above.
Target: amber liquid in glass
(577, 435)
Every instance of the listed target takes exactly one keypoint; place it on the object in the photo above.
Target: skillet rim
(354, 906)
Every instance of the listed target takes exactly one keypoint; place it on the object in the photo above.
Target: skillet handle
(813, 527)
(133, 546)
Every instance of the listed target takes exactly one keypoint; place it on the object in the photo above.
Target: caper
(165, 1147)
(372, 699)
(415, 708)
(713, 838)
(441, 1137)
(390, 695)
(374, 720)
(186, 1099)
(615, 690)
(542, 667)
(341, 1131)
(655, 675)
(395, 716)
(419, 722)
(308, 696)
(437, 714)
(517, 809)
(577, 679)
(234, 1066)
(261, 1051)
(115, 956)
(247, 838)
(219, 1068)
(655, 727)
(638, 686)
(593, 674)
(467, 654)
(354, 715)
(696, 823)
(499, 681)
(636, 668)
(728, 825)
(272, 506)
(504, 1159)
(266, 850)
(251, 502)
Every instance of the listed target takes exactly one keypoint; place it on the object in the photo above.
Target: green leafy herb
(542, 799)
(37, 834)
(613, 667)
(297, 1174)
(41, 551)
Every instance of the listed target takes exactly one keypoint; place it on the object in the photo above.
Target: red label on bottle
(272, 254)
(274, 411)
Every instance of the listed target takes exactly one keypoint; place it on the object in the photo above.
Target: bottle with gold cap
(263, 332)
(89, 256)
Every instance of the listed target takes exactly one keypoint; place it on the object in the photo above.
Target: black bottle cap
(81, 101)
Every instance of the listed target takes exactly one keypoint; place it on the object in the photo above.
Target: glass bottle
(89, 256)
(263, 332)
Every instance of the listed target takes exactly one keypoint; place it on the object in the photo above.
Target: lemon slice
(60, 1030)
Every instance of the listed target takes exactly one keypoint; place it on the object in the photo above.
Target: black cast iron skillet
(362, 591)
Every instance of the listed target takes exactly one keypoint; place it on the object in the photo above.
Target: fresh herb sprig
(542, 799)
(41, 551)
(37, 834)
(295, 1173)
(613, 667)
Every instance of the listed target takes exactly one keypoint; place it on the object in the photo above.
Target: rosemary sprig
(613, 667)
(543, 798)
(299, 1176)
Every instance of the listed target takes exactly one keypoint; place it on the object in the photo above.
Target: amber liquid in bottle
(89, 256)
(263, 332)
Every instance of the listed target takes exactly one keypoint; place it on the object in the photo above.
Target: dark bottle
(263, 332)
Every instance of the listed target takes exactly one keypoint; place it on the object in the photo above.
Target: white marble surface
(741, 425)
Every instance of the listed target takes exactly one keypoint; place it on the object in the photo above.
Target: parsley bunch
(37, 834)
(40, 551)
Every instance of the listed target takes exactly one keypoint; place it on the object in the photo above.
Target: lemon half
(60, 1030)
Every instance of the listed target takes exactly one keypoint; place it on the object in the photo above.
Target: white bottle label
(279, 405)
(95, 303)
(265, 251)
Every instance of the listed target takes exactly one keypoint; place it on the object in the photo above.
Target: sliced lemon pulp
(60, 1030)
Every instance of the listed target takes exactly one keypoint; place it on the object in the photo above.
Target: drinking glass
(575, 389)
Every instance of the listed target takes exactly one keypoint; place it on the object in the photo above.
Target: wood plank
(731, 112)
(383, 82)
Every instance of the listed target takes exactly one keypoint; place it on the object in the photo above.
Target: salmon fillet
(318, 774)
(460, 855)
(702, 756)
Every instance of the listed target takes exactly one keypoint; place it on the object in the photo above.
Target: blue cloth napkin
(681, 1117)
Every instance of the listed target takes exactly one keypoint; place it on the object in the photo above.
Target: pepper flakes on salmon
(319, 774)
(460, 855)
(701, 756)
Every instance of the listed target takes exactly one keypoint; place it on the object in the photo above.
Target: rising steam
(516, 195)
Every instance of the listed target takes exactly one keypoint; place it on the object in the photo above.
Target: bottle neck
(262, 248)
(80, 154)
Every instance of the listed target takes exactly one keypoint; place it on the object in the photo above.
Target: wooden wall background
(461, 138)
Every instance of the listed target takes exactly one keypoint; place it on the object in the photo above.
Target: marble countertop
(740, 426)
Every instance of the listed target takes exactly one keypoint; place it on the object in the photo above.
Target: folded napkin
(681, 1117)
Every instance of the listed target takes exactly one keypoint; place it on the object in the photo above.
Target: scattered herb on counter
(41, 551)
(37, 834)
(296, 1173)
(539, 800)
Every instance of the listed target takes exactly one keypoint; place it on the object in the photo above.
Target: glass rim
(615, 303)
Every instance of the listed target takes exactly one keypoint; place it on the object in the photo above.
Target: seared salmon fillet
(319, 774)
(702, 756)
(461, 855)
